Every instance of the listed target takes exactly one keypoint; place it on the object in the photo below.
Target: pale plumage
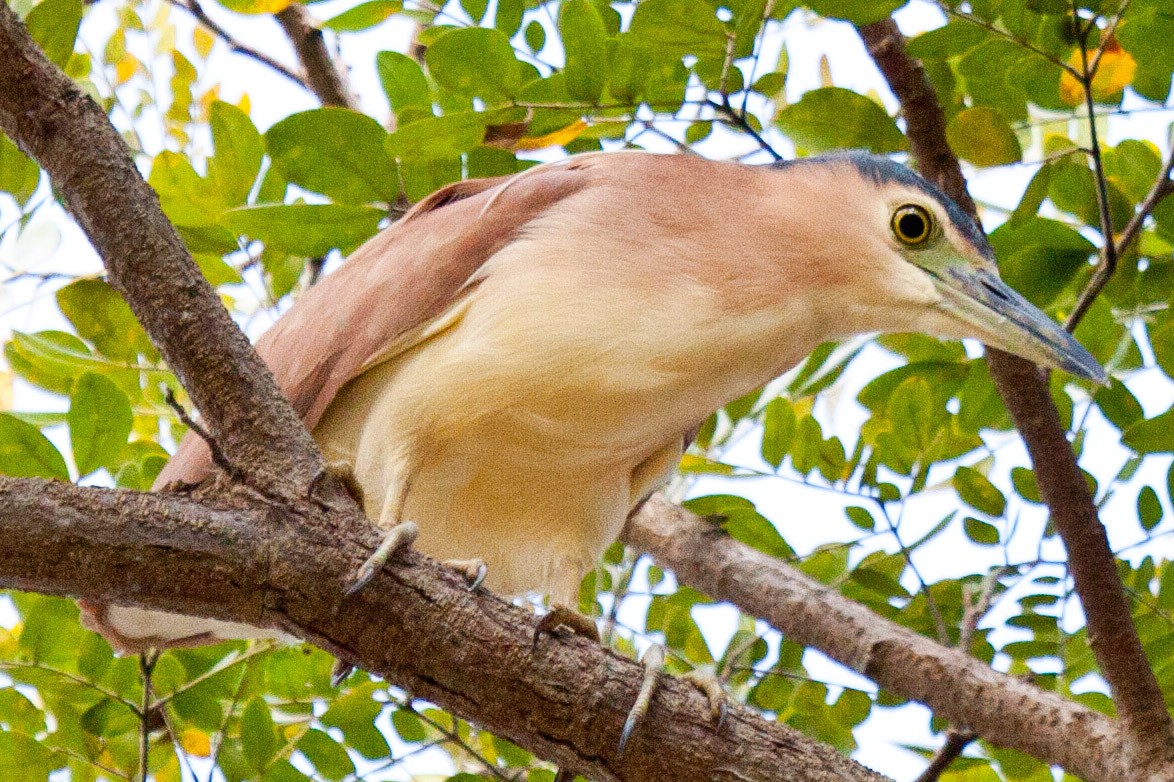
(520, 358)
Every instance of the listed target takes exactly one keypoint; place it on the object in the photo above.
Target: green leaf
(24, 759)
(354, 714)
(671, 29)
(1149, 508)
(26, 453)
(404, 83)
(978, 492)
(337, 152)
(100, 420)
(856, 11)
(53, 24)
(309, 230)
(187, 198)
(99, 314)
(585, 40)
(239, 151)
(1039, 257)
(476, 10)
(331, 760)
(19, 175)
(436, 138)
(508, 17)
(1147, 38)
(981, 532)
(860, 518)
(982, 136)
(778, 430)
(476, 61)
(1023, 480)
(1118, 404)
(364, 16)
(835, 118)
(535, 36)
(1154, 435)
(409, 726)
(258, 734)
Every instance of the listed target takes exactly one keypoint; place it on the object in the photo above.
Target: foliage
(931, 467)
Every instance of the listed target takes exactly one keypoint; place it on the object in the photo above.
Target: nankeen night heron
(514, 365)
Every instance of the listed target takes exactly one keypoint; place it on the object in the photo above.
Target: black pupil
(912, 225)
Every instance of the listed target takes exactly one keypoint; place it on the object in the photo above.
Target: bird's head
(909, 259)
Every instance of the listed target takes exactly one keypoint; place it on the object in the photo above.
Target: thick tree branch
(324, 76)
(1111, 631)
(1000, 708)
(563, 698)
(59, 126)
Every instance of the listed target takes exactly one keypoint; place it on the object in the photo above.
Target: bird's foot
(653, 662)
(398, 538)
(340, 671)
(702, 679)
(560, 618)
(474, 570)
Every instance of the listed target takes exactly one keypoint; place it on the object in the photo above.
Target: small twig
(146, 667)
(1162, 187)
(991, 28)
(198, 13)
(733, 117)
(1107, 36)
(956, 742)
(218, 457)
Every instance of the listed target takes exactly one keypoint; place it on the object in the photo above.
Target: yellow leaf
(554, 139)
(256, 6)
(244, 104)
(195, 742)
(5, 389)
(125, 68)
(1115, 71)
(203, 41)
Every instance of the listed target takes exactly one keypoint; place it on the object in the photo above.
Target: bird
(511, 368)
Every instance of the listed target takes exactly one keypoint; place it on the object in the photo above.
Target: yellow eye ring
(912, 224)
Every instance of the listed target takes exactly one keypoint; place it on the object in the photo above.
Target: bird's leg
(703, 680)
(474, 570)
(400, 535)
(560, 617)
(344, 471)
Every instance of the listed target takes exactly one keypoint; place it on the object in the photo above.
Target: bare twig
(956, 743)
(200, 15)
(218, 457)
(1163, 186)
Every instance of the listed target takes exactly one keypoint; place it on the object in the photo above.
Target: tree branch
(418, 625)
(1113, 637)
(957, 687)
(324, 76)
(58, 125)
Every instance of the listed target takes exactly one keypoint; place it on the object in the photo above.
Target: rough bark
(59, 126)
(1113, 637)
(1002, 709)
(324, 77)
(564, 698)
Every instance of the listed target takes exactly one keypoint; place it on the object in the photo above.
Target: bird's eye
(912, 224)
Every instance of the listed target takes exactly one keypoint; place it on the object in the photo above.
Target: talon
(340, 671)
(711, 687)
(344, 472)
(474, 570)
(559, 617)
(653, 662)
(398, 538)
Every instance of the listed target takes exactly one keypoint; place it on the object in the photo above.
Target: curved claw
(482, 572)
(653, 661)
(339, 672)
(399, 537)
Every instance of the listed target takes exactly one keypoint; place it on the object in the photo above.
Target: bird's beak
(1005, 320)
